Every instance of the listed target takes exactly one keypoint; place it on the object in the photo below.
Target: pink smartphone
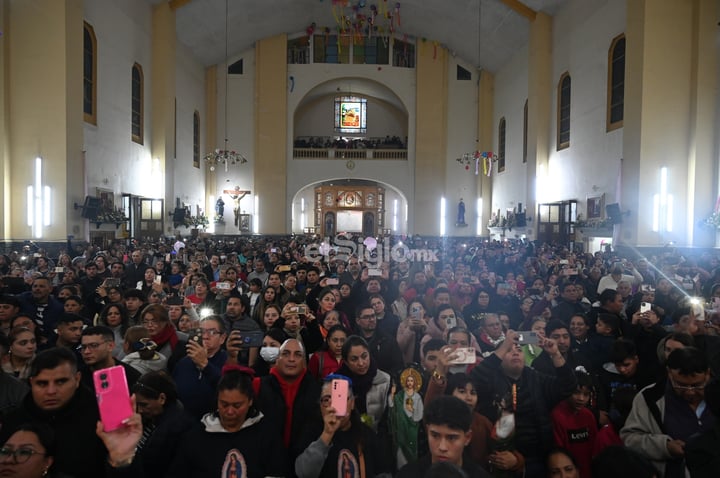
(339, 396)
(113, 396)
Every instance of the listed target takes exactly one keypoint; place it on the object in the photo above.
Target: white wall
(462, 138)
(189, 182)
(511, 92)
(113, 160)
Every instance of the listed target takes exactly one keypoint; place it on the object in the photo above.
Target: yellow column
(486, 108)
(163, 99)
(431, 139)
(662, 116)
(270, 162)
(43, 75)
(5, 216)
(539, 99)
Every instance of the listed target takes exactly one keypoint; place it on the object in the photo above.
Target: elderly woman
(155, 318)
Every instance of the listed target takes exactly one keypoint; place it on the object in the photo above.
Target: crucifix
(236, 195)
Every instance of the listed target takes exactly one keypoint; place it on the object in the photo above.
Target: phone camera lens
(104, 385)
(103, 376)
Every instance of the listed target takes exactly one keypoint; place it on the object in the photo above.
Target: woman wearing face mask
(269, 351)
(328, 359)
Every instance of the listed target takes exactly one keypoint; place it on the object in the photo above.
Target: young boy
(574, 427)
(447, 421)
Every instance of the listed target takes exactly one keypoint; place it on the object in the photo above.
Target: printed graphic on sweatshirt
(234, 465)
(347, 465)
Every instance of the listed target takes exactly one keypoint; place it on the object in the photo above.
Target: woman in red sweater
(329, 358)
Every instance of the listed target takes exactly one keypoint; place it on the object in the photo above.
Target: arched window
(563, 112)
(616, 83)
(501, 145)
(89, 74)
(196, 139)
(525, 131)
(137, 119)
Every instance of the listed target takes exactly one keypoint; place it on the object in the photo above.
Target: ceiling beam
(518, 7)
(176, 4)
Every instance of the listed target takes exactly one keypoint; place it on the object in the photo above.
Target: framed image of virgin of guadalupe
(595, 207)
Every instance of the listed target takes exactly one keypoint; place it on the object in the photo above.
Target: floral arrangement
(112, 215)
(593, 223)
(218, 219)
(506, 222)
(200, 221)
(712, 221)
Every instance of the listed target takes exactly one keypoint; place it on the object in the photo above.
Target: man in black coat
(383, 348)
(57, 400)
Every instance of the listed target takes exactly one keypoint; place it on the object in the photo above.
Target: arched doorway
(359, 206)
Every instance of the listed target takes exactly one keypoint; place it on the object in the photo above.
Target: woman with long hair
(339, 446)
(236, 440)
(115, 316)
(267, 297)
(328, 359)
(21, 353)
(371, 386)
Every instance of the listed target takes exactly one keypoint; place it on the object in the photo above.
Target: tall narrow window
(89, 74)
(501, 145)
(196, 139)
(525, 131)
(137, 121)
(563, 112)
(616, 83)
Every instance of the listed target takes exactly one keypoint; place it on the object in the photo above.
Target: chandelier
(225, 156)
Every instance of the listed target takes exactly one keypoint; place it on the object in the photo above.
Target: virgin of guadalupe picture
(234, 466)
(347, 465)
(405, 412)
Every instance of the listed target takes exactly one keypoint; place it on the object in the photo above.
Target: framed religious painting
(595, 207)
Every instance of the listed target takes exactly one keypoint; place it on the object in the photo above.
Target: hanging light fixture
(478, 159)
(225, 156)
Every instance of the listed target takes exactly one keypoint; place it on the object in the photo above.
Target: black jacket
(79, 452)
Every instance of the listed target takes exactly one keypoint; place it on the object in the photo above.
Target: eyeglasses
(150, 322)
(211, 332)
(688, 388)
(20, 455)
(367, 317)
(91, 345)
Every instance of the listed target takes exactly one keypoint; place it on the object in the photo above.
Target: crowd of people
(325, 142)
(468, 358)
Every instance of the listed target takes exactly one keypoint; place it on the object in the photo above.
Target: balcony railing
(332, 153)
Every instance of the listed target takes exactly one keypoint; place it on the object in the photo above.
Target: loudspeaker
(613, 212)
(520, 220)
(91, 207)
(179, 215)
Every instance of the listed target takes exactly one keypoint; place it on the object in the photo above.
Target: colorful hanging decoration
(476, 159)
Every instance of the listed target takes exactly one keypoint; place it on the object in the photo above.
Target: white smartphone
(645, 307)
(464, 355)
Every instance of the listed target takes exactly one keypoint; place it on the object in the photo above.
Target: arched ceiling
(200, 24)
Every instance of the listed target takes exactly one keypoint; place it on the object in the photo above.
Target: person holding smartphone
(343, 442)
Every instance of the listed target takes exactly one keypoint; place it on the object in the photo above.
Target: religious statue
(405, 413)
(236, 195)
(220, 207)
(461, 213)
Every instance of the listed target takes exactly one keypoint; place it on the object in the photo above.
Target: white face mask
(269, 354)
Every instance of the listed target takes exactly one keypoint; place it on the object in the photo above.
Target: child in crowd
(574, 426)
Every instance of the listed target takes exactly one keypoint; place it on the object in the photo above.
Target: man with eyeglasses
(383, 348)
(57, 400)
(96, 347)
(666, 414)
(197, 374)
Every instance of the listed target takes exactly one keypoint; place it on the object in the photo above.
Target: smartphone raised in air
(339, 396)
(113, 396)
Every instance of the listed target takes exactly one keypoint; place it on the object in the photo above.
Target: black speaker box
(91, 207)
(179, 215)
(613, 212)
(520, 219)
